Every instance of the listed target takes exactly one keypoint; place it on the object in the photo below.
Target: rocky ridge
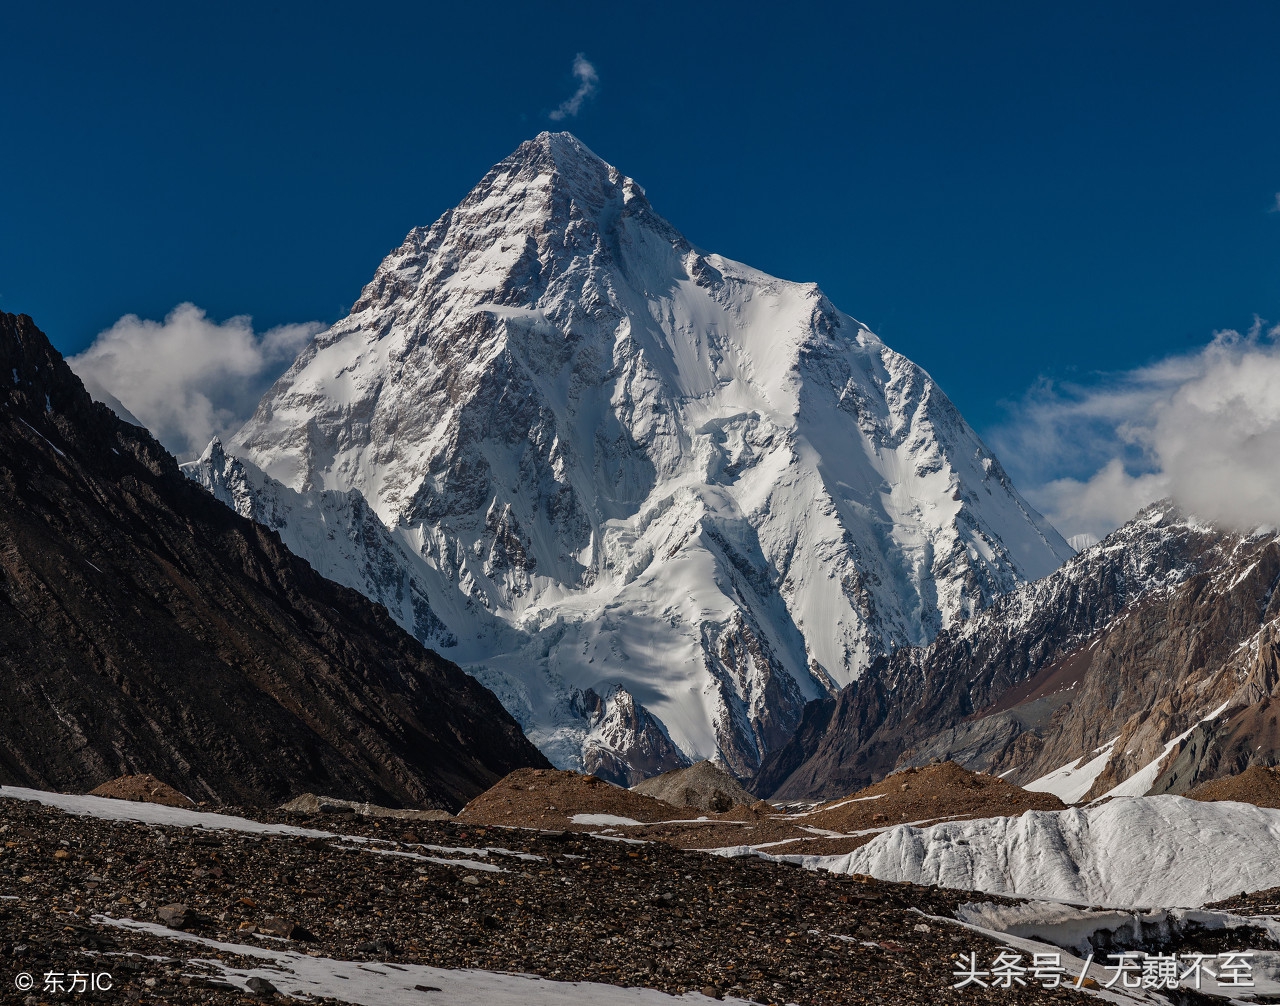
(145, 627)
(1153, 652)
(654, 499)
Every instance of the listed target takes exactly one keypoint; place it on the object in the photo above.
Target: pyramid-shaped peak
(561, 151)
(575, 170)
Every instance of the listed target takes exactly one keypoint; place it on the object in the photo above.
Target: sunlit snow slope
(653, 498)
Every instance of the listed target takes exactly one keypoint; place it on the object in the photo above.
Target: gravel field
(563, 905)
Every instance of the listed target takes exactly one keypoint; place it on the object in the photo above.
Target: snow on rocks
(653, 498)
(1072, 781)
(110, 809)
(1134, 851)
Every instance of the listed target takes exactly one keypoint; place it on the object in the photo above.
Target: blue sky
(1020, 197)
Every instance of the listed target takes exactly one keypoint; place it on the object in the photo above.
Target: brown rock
(1256, 785)
(176, 916)
(142, 789)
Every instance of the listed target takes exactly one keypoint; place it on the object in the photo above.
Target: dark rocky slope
(1137, 638)
(145, 627)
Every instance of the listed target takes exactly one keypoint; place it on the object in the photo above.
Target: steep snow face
(1088, 855)
(690, 487)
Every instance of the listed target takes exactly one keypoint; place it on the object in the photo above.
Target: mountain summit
(653, 498)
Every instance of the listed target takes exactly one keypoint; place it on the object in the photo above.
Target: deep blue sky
(1004, 191)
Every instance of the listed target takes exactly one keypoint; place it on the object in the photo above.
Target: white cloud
(1203, 428)
(187, 378)
(587, 80)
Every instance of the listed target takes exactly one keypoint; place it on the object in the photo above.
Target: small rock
(62, 854)
(921, 927)
(471, 879)
(176, 916)
(260, 986)
(284, 928)
(711, 992)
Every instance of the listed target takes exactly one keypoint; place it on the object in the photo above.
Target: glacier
(653, 498)
(1190, 854)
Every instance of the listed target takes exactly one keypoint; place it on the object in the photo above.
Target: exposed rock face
(626, 742)
(704, 786)
(146, 627)
(1135, 641)
(605, 460)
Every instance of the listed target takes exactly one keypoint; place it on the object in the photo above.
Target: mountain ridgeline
(1153, 655)
(654, 499)
(145, 627)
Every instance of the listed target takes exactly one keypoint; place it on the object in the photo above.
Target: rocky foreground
(567, 906)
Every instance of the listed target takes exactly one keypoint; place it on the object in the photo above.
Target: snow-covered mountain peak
(672, 478)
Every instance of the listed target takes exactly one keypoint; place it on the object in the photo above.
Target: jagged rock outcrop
(1132, 643)
(145, 627)
(604, 459)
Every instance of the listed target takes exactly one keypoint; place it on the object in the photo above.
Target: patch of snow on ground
(110, 809)
(371, 984)
(835, 806)
(1074, 928)
(604, 820)
(1266, 969)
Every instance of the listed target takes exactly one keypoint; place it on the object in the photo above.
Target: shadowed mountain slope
(145, 627)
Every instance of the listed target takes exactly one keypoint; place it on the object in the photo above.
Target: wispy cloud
(188, 378)
(1276, 208)
(1203, 428)
(587, 81)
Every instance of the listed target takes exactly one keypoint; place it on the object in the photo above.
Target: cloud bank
(587, 80)
(188, 379)
(1203, 428)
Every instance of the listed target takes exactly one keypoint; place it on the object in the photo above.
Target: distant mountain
(655, 499)
(144, 627)
(1148, 663)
